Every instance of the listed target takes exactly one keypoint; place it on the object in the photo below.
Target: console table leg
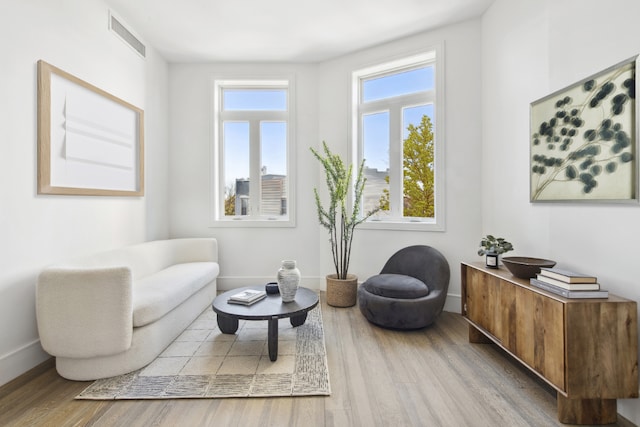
(298, 320)
(228, 325)
(273, 339)
(587, 411)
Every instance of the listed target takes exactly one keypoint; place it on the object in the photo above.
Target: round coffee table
(270, 308)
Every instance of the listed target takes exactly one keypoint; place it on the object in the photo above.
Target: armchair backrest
(422, 262)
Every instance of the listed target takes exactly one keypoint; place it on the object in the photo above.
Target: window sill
(402, 225)
(252, 223)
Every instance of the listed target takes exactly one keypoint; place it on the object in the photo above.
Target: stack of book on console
(247, 297)
(569, 284)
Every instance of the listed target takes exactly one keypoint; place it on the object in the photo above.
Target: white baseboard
(452, 304)
(19, 361)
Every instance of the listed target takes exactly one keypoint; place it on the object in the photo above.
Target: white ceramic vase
(288, 280)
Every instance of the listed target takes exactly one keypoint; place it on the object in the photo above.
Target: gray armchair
(409, 292)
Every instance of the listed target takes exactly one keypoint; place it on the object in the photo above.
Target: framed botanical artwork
(584, 140)
(89, 142)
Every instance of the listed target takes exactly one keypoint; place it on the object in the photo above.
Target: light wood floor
(431, 377)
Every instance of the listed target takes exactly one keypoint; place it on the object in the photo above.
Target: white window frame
(217, 173)
(430, 56)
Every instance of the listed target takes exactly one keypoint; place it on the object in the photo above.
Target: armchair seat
(396, 286)
(409, 292)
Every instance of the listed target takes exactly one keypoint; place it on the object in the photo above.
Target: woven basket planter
(342, 292)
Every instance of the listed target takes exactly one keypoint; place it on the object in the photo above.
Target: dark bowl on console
(526, 267)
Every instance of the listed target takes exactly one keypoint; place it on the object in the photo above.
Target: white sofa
(114, 312)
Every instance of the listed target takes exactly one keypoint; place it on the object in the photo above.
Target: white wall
(38, 230)
(532, 48)
(253, 255)
(247, 255)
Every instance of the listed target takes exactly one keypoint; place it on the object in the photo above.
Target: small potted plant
(492, 248)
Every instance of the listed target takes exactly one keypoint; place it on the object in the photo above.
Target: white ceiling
(282, 30)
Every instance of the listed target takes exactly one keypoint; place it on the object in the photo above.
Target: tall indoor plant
(340, 221)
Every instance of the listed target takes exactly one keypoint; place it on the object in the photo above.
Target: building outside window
(398, 131)
(253, 148)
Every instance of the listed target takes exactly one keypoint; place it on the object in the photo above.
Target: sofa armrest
(85, 312)
(199, 249)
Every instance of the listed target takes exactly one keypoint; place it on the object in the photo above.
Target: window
(253, 173)
(398, 131)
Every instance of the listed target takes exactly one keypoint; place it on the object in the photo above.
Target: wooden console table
(587, 349)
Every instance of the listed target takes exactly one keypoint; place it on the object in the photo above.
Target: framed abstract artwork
(583, 140)
(89, 142)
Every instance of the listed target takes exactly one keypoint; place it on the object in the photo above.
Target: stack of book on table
(569, 284)
(247, 297)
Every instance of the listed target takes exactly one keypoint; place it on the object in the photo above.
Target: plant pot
(492, 260)
(342, 292)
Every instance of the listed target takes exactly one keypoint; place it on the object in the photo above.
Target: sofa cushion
(157, 294)
(396, 286)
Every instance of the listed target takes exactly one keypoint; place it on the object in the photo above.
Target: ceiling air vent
(117, 27)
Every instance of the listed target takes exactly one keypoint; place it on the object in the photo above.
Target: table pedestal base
(229, 325)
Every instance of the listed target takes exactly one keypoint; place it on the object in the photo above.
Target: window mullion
(427, 96)
(219, 164)
(254, 115)
(396, 199)
(254, 167)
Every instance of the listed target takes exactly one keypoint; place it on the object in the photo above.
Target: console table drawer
(527, 324)
(533, 330)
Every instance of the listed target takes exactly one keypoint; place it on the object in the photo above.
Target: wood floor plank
(379, 377)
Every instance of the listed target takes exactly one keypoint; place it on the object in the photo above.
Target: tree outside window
(418, 172)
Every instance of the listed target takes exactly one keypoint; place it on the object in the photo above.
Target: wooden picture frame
(583, 140)
(90, 143)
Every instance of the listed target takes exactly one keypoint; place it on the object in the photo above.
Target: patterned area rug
(205, 363)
